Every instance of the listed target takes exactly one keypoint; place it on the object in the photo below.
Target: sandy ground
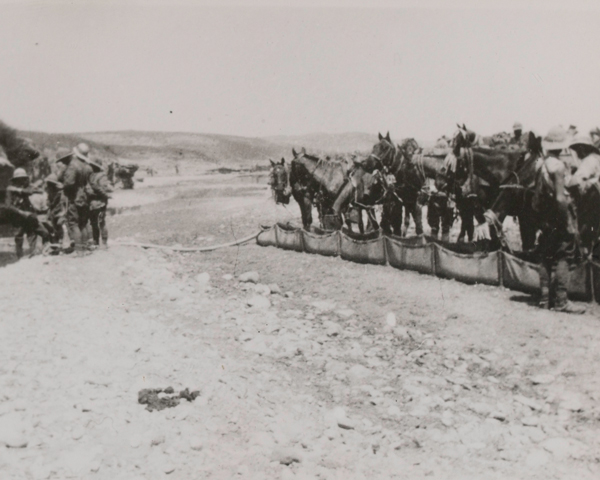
(314, 368)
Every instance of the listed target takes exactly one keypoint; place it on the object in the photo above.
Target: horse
(313, 181)
(514, 199)
(474, 175)
(403, 174)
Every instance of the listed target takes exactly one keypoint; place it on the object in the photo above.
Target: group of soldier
(76, 200)
(557, 242)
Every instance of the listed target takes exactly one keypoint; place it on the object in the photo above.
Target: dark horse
(473, 176)
(392, 175)
(313, 181)
(515, 198)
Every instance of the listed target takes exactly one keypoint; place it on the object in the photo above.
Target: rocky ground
(307, 367)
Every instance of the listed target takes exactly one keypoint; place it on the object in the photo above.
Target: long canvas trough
(327, 243)
(367, 250)
(477, 268)
(407, 255)
(423, 255)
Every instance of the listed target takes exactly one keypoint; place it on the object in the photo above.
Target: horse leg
(386, 225)
(397, 212)
(306, 211)
(361, 225)
(447, 220)
(433, 218)
(415, 211)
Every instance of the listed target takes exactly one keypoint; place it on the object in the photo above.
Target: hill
(199, 150)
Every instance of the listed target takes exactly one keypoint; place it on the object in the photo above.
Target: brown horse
(314, 181)
(403, 175)
(473, 176)
(514, 199)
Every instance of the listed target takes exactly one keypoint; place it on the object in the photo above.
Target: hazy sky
(84, 66)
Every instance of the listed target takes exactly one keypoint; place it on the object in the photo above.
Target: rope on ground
(190, 249)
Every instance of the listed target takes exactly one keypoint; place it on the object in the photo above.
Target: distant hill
(328, 142)
(164, 149)
(50, 143)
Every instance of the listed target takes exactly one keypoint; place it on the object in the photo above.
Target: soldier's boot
(19, 247)
(565, 306)
(544, 298)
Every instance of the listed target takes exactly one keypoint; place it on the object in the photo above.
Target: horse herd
(467, 182)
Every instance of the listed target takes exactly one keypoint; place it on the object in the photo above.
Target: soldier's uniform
(17, 195)
(101, 189)
(557, 248)
(57, 209)
(76, 189)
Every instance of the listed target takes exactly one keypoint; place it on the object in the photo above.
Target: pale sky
(256, 71)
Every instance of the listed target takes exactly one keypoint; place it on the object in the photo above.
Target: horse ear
(387, 137)
(272, 162)
(282, 161)
(459, 127)
(294, 152)
(464, 127)
(303, 151)
(380, 137)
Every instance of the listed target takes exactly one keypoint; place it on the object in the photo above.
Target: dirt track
(459, 382)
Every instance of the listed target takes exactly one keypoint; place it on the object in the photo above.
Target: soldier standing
(101, 191)
(557, 245)
(17, 195)
(76, 189)
(57, 209)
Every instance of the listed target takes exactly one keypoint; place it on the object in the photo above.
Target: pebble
(530, 421)
(537, 458)
(332, 329)
(252, 277)
(196, 443)
(274, 288)
(77, 433)
(227, 276)
(289, 294)
(203, 278)
(558, 447)
(262, 289)
(571, 401)
(358, 373)
(345, 312)
(286, 456)
(390, 320)
(258, 302)
(12, 433)
(135, 441)
(401, 332)
(541, 379)
(157, 439)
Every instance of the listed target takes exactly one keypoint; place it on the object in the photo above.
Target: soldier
(518, 139)
(57, 209)
(76, 189)
(101, 191)
(557, 241)
(17, 195)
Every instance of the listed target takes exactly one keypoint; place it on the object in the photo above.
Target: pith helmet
(52, 178)
(97, 163)
(584, 140)
(556, 139)
(518, 126)
(82, 151)
(63, 155)
(20, 173)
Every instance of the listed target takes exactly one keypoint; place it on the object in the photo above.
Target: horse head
(279, 181)
(384, 151)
